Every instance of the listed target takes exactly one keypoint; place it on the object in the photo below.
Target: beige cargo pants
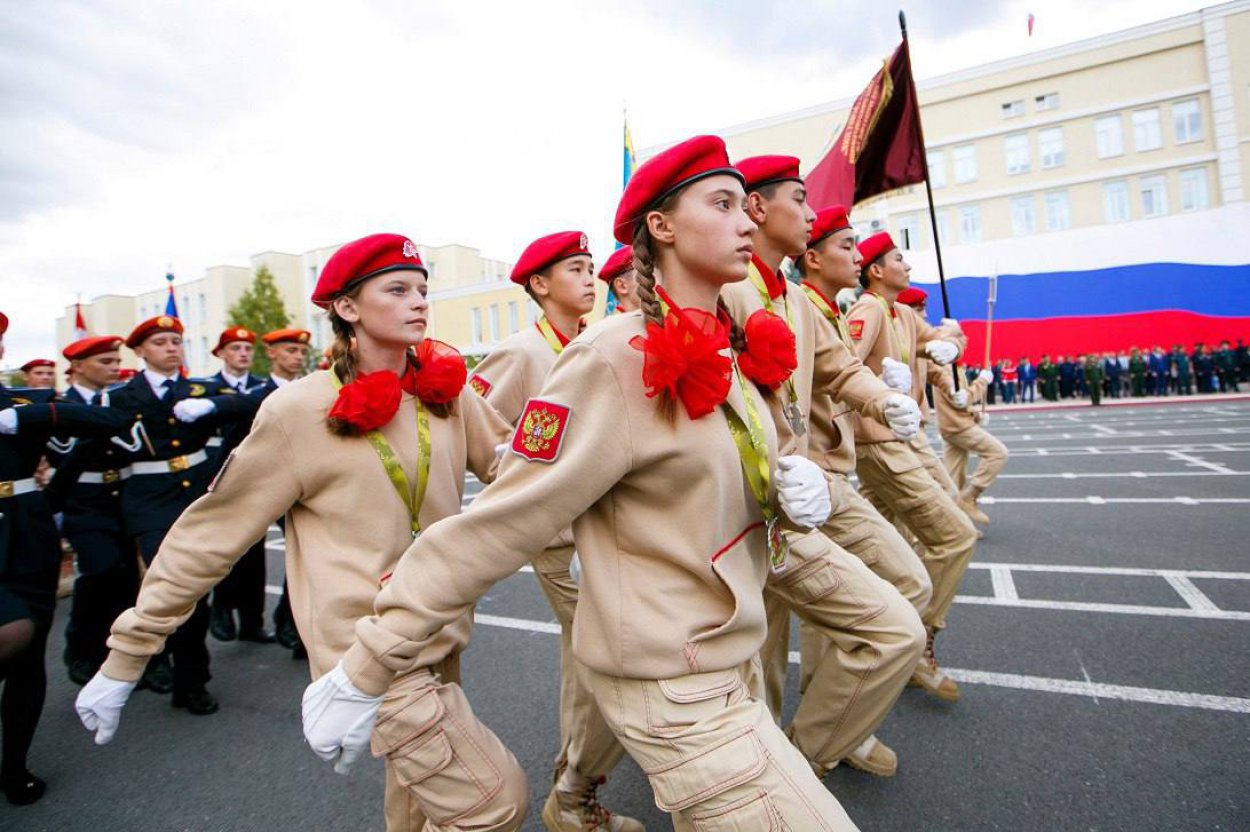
(974, 440)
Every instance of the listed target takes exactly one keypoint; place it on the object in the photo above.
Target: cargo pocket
(412, 738)
(811, 576)
(674, 706)
(861, 541)
(710, 771)
(932, 523)
(754, 813)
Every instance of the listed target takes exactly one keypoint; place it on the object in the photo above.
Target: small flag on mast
(171, 306)
(1031, 24)
(80, 325)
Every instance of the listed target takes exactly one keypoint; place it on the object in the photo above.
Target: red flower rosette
(685, 357)
(770, 355)
(369, 402)
(440, 373)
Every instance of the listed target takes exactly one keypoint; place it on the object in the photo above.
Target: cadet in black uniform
(30, 564)
(169, 471)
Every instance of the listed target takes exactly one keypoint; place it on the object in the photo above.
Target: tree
(261, 310)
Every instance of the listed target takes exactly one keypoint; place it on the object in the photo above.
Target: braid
(649, 302)
(343, 365)
(737, 335)
(440, 409)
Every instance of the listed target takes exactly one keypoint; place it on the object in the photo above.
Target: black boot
(158, 677)
(197, 701)
(221, 624)
(23, 789)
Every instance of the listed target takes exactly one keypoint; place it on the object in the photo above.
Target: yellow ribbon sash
(829, 311)
(753, 450)
(794, 414)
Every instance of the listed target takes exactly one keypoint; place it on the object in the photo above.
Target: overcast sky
(136, 135)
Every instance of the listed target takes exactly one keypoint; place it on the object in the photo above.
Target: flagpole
(928, 189)
(990, 299)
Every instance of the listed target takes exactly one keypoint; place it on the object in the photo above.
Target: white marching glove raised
(896, 374)
(960, 398)
(951, 323)
(985, 376)
(99, 705)
(942, 352)
(902, 415)
(803, 491)
(8, 421)
(338, 719)
(191, 410)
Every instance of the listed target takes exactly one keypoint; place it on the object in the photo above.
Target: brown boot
(874, 757)
(968, 502)
(929, 676)
(573, 806)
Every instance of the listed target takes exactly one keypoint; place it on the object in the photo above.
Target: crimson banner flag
(880, 148)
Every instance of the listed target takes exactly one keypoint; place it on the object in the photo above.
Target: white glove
(902, 414)
(190, 410)
(942, 352)
(951, 323)
(803, 491)
(99, 705)
(501, 449)
(985, 376)
(338, 719)
(8, 421)
(896, 374)
(960, 398)
(575, 569)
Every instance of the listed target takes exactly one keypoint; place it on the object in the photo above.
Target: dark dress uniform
(87, 490)
(30, 565)
(244, 588)
(170, 472)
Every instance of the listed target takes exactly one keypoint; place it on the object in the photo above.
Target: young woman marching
(360, 459)
(650, 442)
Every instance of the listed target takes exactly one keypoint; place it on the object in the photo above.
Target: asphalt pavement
(1102, 640)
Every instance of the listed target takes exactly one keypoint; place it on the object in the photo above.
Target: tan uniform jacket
(832, 441)
(878, 336)
(345, 528)
(952, 419)
(511, 375)
(670, 537)
(826, 368)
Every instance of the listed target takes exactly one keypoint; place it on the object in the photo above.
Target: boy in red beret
(618, 273)
(40, 373)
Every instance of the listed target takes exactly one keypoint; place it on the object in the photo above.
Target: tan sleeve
(870, 318)
(257, 484)
(926, 332)
(841, 374)
(454, 562)
(504, 371)
(484, 428)
(939, 376)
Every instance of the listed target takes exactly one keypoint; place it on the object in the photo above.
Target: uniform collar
(775, 284)
(157, 381)
(893, 311)
(233, 380)
(278, 381)
(832, 306)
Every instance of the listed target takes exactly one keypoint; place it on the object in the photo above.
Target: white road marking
(1105, 431)
(1004, 585)
(1099, 501)
(1115, 609)
(1198, 448)
(1192, 596)
(1190, 459)
(1077, 475)
(1198, 574)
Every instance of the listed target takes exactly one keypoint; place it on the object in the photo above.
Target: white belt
(12, 488)
(104, 477)
(214, 442)
(169, 466)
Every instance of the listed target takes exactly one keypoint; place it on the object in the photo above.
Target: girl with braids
(647, 438)
(360, 458)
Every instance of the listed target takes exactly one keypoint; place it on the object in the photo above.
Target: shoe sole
(868, 768)
(945, 697)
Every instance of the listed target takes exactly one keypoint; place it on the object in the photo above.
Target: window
(1147, 134)
(514, 321)
(1022, 220)
(937, 169)
(1050, 147)
(203, 309)
(184, 311)
(1194, 190)
(1109, 131)
(535, 312)
(1013, 108)
(203, 348)
(1154, 196)
(1049, 101)
(1058, 212)
(1115, 207)
(944, 236)
(1017, 153)
(965, 159)
(970, 223)
(909, 231)
(477, 325)
(1187, 121)
(494, 322)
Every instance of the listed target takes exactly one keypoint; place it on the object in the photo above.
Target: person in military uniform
(1137, 369)
(1094, 376)
(40, 374)
(1048, 372)
(1160, 371)
(87, 487)
(243, 590)
(169, 470)
(1226, 368)
(1181, 380)
(618, 273)
(1204, 368)
(30, 564)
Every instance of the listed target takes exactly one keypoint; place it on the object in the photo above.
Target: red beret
(759, 171)
(663, 174)
(913, 297)
(234, 333)
(873, 247)
(828, 221)
(621, 261)
(280, 336)
(37, 362)
(161, 323)
(4, 323)
(544, 251)
(87, 347)
(365, 258)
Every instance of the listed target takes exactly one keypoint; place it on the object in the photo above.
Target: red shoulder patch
(857, 329)
(478, 384)
(540, 430)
